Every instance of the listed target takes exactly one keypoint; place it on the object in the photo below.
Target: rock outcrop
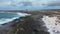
(28, 25)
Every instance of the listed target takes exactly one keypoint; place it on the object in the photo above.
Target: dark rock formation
(28, 25)
(25, 25)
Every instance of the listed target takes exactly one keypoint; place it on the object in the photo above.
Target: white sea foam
(23, 14)
(52, 23)
(3, 20)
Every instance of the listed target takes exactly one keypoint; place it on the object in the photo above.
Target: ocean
(6, 17)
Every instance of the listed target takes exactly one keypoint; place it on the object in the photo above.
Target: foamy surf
(6, 20)
(23, 14)
(52, 23)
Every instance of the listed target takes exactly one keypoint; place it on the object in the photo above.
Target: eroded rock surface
(34, 24)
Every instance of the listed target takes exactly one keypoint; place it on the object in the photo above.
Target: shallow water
(5, 17)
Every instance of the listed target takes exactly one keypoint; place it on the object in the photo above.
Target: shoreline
(31, 24)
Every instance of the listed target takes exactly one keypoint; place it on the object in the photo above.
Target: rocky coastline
(32, 24)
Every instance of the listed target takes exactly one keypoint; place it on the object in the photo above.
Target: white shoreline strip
(50, 23)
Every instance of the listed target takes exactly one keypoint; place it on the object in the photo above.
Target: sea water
(6, 17)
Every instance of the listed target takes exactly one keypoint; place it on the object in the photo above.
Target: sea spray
(52, 24)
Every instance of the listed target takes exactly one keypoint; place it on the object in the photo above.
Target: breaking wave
(6, 17)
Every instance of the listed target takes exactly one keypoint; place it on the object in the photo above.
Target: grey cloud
(19, 4)
(54, 4)
(22, 4)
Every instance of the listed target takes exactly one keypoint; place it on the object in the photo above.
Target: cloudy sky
(29, 4)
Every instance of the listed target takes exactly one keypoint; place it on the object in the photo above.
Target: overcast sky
(29, 4)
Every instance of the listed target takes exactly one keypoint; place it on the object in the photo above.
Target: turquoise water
(8, 15)
(5, 17)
